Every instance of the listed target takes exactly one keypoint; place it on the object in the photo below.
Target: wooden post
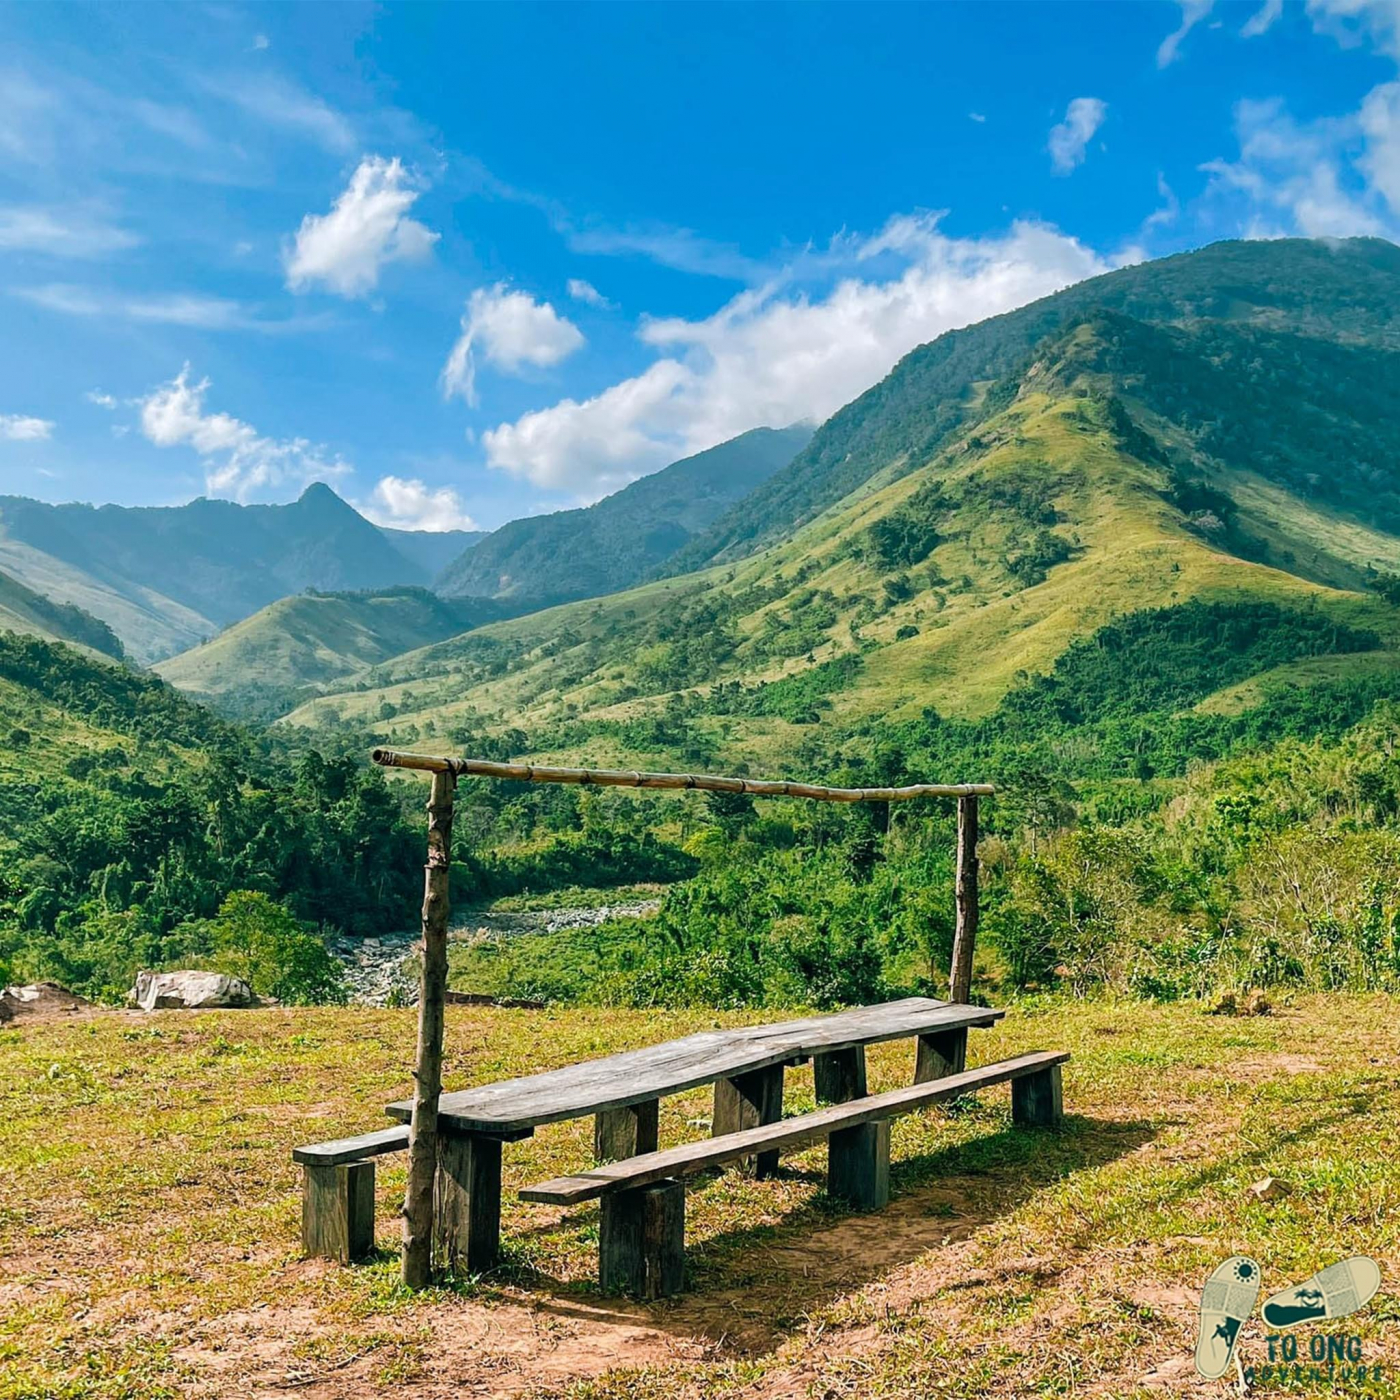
(641, 1245)
(965, 934)
(427, 1068)
(839, 1075)
(1037, 1101)
(940, 1054)
(337, 1212)
(858, 1165)
(468, 1233)
(625, 1132)
(749, 1101)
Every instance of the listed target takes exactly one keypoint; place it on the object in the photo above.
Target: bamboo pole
(965, 893)
(606, 777)
(427, 1069)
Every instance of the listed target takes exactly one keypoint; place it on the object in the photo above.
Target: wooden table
(745, 1064)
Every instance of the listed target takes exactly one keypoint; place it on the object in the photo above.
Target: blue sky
(471, 262)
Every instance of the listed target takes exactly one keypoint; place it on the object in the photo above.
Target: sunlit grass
(149, 1209)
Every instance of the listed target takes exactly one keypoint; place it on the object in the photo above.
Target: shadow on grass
(751, 1285)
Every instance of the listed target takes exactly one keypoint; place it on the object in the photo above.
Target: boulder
(189, 991)
(38, 999)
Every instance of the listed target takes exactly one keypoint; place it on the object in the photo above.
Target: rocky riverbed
(384, 971)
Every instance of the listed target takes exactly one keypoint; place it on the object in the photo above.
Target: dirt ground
(148, 1217)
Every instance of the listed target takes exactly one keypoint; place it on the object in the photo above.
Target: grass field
(149, 1215)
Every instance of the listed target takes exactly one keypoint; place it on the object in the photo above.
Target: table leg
(468, 1215)
(748, 1101)
(839, 1075)
(941, 1054)
(625, 1132)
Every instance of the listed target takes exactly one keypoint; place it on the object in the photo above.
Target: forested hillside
(1237, 451)
(263, 665)
(624, 537)
(24, 611)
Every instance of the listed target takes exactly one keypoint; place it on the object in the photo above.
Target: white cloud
(1192, 13)
(160, 308)
(60, 232)
(16, 427)
(367, 227)
(279, 103)
(1262, 20)
(238, 461)
(976, 117)
(1294, 177)
(776, 355)
(1068, 139)
(509, 330)
(410, 505)
(587, 293)
(1352, 22)
(261, 41)
(1168, 210)
(678, 248)
(102, 400)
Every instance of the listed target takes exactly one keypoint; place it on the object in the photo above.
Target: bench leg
(625, 1132)
(749, 1101)
(337, 1212)
(940, 1054)
(468, 1214)
(840, 1076)
(641, 1247)
(1037, 1100)
(858, 1165)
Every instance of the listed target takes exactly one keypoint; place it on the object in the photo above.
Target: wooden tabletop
(517, 1105)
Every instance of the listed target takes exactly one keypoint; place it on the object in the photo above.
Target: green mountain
(303, 642)
(1153, 450)
(1337, 291)
(431, 550)
(29, 613)
(622, 539)
(164, 578)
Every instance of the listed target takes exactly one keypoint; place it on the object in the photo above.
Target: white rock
(189, 991)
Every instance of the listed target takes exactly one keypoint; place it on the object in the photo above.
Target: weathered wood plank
(337, 1212)
(625, 1132)
(467, 1224)
(618, 1081)
(352, 1149)
(747, 1101)
(789, 1133)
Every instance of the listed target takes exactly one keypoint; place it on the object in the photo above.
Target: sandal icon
(1226, 1301)
(1338, 1290)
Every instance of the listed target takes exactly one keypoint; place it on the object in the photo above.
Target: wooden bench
(642, 1243)
(621, 1092)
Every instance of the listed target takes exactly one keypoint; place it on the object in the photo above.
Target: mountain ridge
(165, 578)
(621, 539)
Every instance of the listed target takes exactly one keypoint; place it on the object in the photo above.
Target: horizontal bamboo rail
(702, 782)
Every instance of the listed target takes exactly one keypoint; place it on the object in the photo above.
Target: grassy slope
(149, 1215)
(29, 613)
(149, 624)
(311, 639)
(1134, 551)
